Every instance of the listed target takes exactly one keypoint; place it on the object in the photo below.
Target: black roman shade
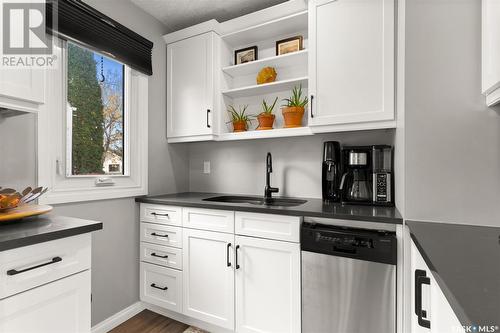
(77, 21)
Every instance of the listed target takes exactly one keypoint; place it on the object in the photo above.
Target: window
(92, 130)
(95, 95)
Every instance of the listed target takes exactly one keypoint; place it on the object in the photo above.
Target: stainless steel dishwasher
(348, 280)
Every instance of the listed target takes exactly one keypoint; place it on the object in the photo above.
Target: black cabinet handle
(15, 271)
(227, 255)
(158, 235)
(311, 106)
(158, 214)
(208, 113)
(421, 279)
(153, 285)
(236, 254)
(158, 256)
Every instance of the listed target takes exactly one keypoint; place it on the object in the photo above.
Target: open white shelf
(264, 89)
(298, 58)
(266, 134)
(279, 27)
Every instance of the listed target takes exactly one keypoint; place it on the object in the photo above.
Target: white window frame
(53, 148)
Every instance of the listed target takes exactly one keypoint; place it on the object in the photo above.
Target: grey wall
(17, 151)
(239, 167)
(452, 138)
(115, 252)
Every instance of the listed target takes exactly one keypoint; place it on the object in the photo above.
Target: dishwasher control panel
(362, 244)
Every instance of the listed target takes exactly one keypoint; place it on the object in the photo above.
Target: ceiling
(179, 14)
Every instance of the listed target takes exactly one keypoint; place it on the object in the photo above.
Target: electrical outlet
(206, 167)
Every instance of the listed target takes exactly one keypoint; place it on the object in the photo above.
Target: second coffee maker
(367, 175)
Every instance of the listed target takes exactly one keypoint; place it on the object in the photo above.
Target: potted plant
(266, 117)
(293, 110)
(239, 118)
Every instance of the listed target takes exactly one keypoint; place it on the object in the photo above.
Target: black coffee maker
(367, 176)
(331, 171)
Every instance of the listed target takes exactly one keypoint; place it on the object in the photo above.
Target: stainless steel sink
(283, 202)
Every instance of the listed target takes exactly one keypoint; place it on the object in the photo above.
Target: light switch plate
(206, 167)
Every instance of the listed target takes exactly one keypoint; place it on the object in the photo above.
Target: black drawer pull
(227, 255)
(158, 256)
(153, 285)
(158, 235)
(208, 113)
(158, 214)
(15, 271)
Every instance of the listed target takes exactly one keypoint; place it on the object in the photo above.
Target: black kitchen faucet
(268, 191)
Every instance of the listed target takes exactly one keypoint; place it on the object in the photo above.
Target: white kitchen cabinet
(351, 64)
(267, 286)
(209, 277)
(190, 88)
(61, 306)
(436, 314)
(22, 89)
(491, 51)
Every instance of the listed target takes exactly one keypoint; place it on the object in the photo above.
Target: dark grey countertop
(312, 208)
(41, 229)
(465, 262)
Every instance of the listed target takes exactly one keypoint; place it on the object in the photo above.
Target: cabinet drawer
(161, 286)
(161, 234)
(208, 219)
(161, 255)
(31, 266)
(270, 226)
(161, 214)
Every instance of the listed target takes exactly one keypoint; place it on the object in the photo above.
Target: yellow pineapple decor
(266, 75)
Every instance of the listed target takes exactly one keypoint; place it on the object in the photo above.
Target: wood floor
(150, 322)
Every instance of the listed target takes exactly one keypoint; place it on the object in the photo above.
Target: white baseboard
(109, 323)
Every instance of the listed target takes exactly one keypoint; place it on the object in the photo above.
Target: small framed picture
(245, 55)
(292, 44)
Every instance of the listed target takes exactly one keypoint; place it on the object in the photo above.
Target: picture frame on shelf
(288, 45)
(245, 55)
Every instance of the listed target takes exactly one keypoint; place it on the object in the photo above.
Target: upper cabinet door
(268, 290)
(190, 86)
(351, 62)
(491, 51)
(22, 89)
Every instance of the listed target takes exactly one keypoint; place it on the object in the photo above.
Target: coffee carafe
(355, 185)
(331, 171)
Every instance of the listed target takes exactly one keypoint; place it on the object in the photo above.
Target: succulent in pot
(293, 110)
(239, 118)
(266, 117)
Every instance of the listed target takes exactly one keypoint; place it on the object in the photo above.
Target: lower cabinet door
(268, 286)
(209, 277)
(444, 319)
(421, 313)
(62, 306)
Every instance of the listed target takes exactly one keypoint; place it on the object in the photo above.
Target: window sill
(91, 194)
